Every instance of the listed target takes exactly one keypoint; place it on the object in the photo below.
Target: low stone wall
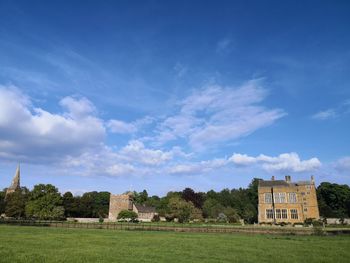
(337, 221)
(83, 220)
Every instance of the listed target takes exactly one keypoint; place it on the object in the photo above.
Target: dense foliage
(334, 200)
(127, 214)
(90, 204)
(45, 202)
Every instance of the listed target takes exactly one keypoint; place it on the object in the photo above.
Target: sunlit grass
(40, 244)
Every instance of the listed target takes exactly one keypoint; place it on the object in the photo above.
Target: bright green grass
(35, 244)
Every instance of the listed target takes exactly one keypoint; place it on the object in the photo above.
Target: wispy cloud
(224, 46)
(180, 70)
(119, 126)
(217, 114)
(325, 115)
(332, 113)
(343, 165)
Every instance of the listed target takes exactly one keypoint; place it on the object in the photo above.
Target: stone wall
(118, 203)
(306, 204)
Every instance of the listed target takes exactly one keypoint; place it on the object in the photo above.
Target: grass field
(40, 244)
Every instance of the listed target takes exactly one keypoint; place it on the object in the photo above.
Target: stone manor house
(286, 201)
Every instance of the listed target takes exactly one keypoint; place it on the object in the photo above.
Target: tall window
(278, 213)
(269, 213)
(292, 197)
(294, 214)
(268, 198)
(283, 197)
(280, 197)
(284, 214)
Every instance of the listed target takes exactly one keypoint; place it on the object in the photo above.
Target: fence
(163, 227)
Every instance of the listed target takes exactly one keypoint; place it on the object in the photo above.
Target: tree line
(228, 205)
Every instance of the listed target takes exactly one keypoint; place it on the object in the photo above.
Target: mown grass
(41, 244)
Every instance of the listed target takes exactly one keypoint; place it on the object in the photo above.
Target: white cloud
(217, 114)
(30, 133)
(242, 159)
(135, 151)
(325, 115)
(120, 169)
(197, 167)
(286, 162)
(343, 164)
(118, 126)
(78, 107)
(341, 110)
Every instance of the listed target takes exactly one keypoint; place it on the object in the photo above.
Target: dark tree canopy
(333, 200)
(15, 203)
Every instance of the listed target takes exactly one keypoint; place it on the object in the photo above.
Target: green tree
(232, 215)
(191, 196)
(181, 209)
(93, 204)
(15, 203)
(68, 202)
(333, 199)
(45, 202)
(212, 208)
(141, 198)
(2, 202)
(127, 214)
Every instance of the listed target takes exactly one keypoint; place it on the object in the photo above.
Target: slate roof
(274, 183)
(145, 209)
(263, 183)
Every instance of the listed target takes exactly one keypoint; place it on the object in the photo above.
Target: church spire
(15, 182)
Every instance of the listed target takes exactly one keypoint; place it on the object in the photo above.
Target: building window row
(280, 198)
(282, 213)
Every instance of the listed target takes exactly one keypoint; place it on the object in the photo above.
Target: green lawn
(35, 244)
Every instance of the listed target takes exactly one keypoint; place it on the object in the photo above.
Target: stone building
(286, 201)
(15, 182)
(118, 203)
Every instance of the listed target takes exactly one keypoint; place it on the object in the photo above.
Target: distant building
(286, 201)
(15, 182)
(118, 203)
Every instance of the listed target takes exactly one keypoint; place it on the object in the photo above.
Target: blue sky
(161, 95)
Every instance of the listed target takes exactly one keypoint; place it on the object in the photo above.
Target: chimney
(273, 178)
(287, 178)
(312, 179)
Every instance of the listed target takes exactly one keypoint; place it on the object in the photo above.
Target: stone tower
(118, 203)
(15, 182)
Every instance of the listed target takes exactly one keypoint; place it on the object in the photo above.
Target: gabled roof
(145, 209)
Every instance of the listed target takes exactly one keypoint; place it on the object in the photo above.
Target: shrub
(101, 220)
(127, 215)
(156, 218)
(222, 218)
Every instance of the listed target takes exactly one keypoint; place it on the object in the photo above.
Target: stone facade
(118, 203)
(286, 201)
(145, 213)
